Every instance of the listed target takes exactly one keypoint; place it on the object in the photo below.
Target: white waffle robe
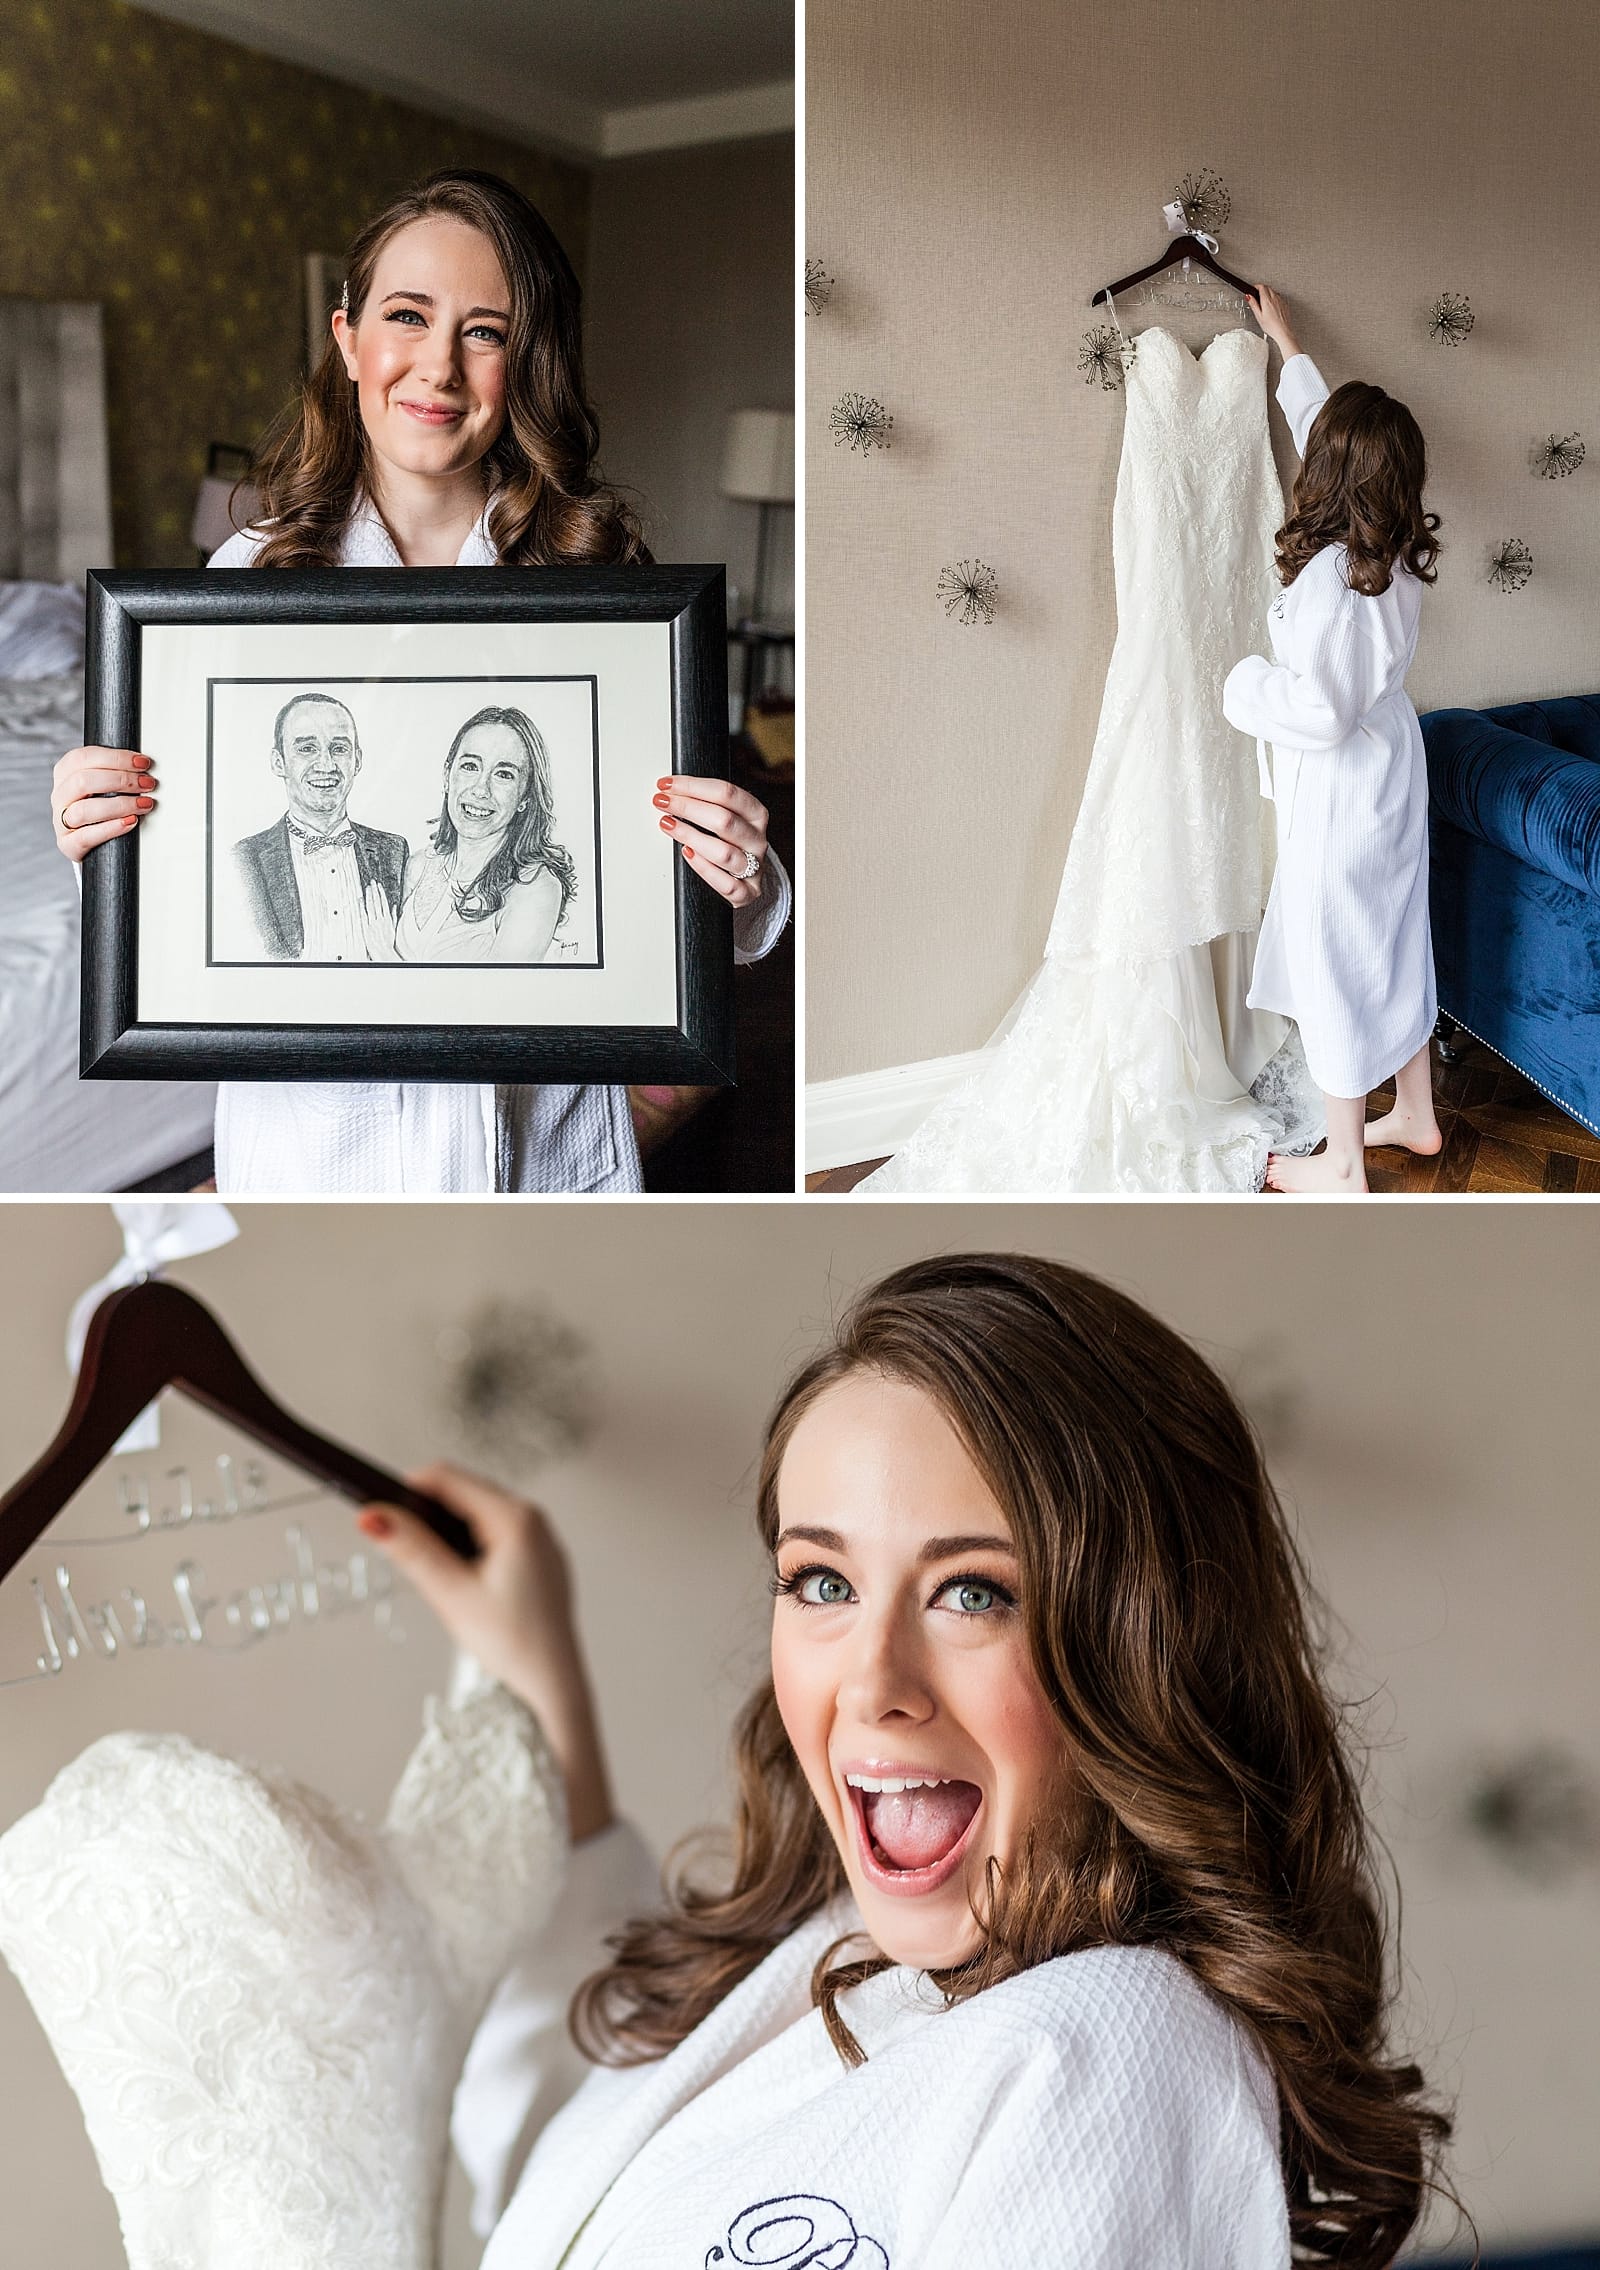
(1100, 2110)
(1345, 947)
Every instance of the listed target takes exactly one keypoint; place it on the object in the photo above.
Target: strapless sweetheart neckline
(1160, 331)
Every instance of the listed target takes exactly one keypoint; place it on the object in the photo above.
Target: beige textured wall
(689, 313)
(974, 173)
(1437, 1449)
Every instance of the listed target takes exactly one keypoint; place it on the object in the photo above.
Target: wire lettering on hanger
(241, 1493)
(75, 1629)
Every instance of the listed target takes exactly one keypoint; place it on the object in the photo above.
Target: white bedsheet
(58, 1132)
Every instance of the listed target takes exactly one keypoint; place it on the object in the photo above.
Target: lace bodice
(263, 2006)
(1173, 845)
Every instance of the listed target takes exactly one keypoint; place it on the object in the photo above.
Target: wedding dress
(263, 2006)
(1131, 1060)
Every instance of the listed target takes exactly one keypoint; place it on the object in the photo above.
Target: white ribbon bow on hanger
(154, 1232)
(1178, 225)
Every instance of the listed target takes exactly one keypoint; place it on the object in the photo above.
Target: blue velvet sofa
(1515, 886)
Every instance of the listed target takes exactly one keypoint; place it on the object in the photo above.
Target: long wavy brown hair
(551, 507)
(1360, 485)
(1212, 1809)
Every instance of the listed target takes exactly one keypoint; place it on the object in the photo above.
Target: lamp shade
(213, 523)
(758, 456)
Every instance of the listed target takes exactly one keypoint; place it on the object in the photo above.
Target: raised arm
(511, 1611)
(1302, 390)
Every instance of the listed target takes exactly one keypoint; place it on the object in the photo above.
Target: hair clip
(344, 295)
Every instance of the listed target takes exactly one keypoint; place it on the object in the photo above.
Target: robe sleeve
(758, 926)
(239, 549)
(523, 2064)
(1347, 672)
(1302, 390)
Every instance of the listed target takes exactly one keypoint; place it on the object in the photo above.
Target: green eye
(971, 1596)
(830, 1591)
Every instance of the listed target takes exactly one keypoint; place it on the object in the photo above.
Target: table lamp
(758, 468)
(217, 512)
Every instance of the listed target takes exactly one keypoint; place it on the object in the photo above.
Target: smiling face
(901, 1665)
(428, 355)
(487, 777)
(317, 760)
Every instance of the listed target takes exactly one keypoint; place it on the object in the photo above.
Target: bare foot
(1344, 1176)
(1405, 1130)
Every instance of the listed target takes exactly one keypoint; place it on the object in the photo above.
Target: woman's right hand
(1273, 316)
(98, 793)
(511, 1610)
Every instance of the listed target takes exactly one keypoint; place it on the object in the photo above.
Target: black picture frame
(116, 1044)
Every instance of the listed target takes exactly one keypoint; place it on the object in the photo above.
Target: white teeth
(891, 1785)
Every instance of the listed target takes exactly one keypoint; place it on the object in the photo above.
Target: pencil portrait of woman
(495, 886)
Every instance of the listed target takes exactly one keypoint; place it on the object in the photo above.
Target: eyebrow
(425, 299)
(936, 1548)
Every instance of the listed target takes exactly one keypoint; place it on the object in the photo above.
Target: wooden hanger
(154, 1335)
(1186, 247)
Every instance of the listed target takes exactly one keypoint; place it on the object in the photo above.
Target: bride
(496, 885)
(1132, 1061)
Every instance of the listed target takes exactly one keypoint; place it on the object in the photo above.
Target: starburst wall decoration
(969, 591)
(517, 1386)
(819, 287)
(1511, 565)
(1450, 318)
(1104, 357)
(1205, 201)
(861, 422)
(1558, 455)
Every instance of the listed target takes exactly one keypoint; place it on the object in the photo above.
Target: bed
(57, 1132)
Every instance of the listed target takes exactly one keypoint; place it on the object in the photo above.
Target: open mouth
(477, 811)
(912, 1835)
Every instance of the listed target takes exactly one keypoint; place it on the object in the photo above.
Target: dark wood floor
(1500, 1134)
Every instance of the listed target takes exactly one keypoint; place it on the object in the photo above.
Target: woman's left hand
(719, 829)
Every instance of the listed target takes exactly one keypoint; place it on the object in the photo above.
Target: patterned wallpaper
(180, 180)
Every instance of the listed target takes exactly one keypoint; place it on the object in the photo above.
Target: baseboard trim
(868, 1115)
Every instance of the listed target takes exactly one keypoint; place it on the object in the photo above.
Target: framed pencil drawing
(404, 828)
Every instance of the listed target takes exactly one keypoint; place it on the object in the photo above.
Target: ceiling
(592, 78)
